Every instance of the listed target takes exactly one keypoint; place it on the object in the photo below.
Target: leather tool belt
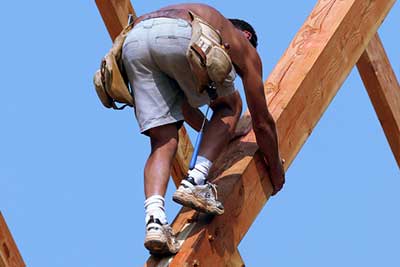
(208, 58)
(110, 81)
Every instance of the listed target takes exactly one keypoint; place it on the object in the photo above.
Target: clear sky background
(71, 186)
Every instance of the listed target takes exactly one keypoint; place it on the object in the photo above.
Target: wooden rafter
(383, 89)
(9, 254)
(299, 90)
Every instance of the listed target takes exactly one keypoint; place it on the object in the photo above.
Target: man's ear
(247, 34)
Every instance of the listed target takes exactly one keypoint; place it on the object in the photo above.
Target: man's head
(247, 29)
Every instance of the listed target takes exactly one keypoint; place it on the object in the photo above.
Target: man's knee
(164, 135)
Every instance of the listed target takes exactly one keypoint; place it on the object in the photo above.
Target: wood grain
(384, 91)
(9, 254)
(300, 88)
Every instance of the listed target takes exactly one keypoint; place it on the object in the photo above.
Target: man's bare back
(230, 35)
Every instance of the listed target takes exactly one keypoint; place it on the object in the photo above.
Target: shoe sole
(190, 201)
(158, 246)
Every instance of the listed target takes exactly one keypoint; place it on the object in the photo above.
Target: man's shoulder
(243, 55)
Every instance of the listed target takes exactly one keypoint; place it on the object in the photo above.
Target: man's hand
(277, 176)
(277, 172)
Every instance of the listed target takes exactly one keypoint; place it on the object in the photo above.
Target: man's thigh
(158, 98)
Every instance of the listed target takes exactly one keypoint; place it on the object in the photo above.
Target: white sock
(154, 206)
(200, 170)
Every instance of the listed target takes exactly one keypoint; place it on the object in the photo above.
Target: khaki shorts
(154, 55)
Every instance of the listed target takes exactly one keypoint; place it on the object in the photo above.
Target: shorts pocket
(172, 40)
(131, 44)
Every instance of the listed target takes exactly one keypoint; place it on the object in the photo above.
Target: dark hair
(244, 26)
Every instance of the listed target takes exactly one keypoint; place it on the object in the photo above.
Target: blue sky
(71, 186)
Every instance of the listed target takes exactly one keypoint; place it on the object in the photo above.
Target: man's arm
(193, 116)
(263, 123)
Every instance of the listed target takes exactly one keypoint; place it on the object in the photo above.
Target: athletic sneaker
(159, 238)
(199, 197)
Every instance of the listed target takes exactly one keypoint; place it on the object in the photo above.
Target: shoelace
(214, 188)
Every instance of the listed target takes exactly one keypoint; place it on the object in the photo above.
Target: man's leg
(164, 142)
(217, 134)
(194, 191)
(221, 128)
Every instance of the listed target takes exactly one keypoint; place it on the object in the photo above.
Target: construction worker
(165, 86)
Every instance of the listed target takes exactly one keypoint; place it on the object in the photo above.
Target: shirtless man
(154, 55)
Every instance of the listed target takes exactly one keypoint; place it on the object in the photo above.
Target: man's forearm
(267, 139)
(263, 125)
(193, 116)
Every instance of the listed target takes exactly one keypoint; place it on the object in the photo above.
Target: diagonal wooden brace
(383, 89)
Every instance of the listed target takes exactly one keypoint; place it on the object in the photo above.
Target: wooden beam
(181, 162)
(383, 89)
(9, 254)
(115, 16)
(300, 89)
